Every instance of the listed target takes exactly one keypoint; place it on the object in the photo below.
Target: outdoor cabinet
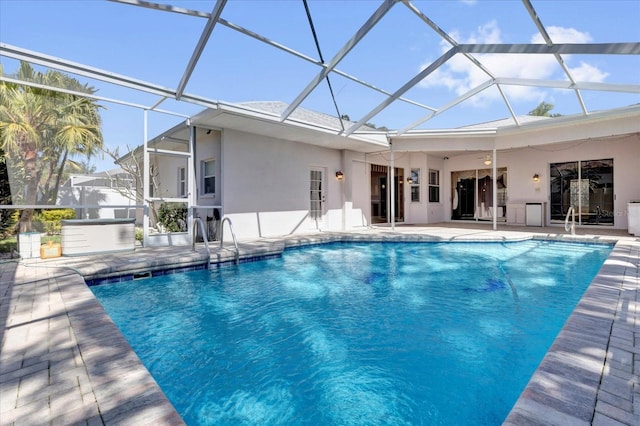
(633, 217)
(534, 214)
(90, 236)
(515, 213)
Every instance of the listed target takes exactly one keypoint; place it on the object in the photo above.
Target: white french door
(317, 195)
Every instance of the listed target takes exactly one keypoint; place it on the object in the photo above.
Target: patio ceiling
(198, 73)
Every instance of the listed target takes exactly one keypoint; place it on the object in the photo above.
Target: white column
(495, 191)
(145, 181)
(192, 199)
(392, 190)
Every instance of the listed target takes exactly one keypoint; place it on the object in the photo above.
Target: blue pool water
(371, 333)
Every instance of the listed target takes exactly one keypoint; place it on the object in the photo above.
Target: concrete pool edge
(124, 389)
(590, 373)
(64, 361)
(146, 407)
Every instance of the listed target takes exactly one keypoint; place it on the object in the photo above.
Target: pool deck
(63, 361)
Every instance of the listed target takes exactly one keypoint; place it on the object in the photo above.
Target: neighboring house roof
(98, 179)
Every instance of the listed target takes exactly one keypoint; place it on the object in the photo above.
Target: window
(208, 177)
(182, 181)
(434, 186)
(415, 185)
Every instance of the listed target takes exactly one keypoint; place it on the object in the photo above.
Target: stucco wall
(265, 185)
(523, 163)
(415, 212)
(262, 183)
(357, 195)
(208, 147)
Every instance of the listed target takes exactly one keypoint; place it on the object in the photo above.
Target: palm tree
(78, 132)
(23, 122)
(5, 198)
(45, 126)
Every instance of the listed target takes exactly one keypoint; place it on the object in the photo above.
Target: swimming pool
(352, 333)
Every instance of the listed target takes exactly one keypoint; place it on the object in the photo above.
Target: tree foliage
(41, 130)
(543, 110)
(6, 216)
(130, 183)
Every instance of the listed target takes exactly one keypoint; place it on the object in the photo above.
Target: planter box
(50, 250)
(90, 236)
(29, 245)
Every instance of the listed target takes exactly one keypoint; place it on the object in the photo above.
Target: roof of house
(303, 114)
(505, 122)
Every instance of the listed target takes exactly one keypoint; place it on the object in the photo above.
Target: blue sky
(156, 46)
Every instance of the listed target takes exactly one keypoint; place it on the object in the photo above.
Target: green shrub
(8, 245)
(8, 222)
(139, 234)
(52, 238)
(52, 219)
(173, 216)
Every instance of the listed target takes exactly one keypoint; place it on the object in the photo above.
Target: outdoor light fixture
(536, 177)
(487, 160)
(409, 180)
(339, 175)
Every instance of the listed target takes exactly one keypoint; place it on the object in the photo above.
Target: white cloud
(460, 75)
(586, 72)
(562, 35)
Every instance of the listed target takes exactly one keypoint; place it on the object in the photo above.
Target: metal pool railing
(571, 227)
(196, 221)
(233, 235)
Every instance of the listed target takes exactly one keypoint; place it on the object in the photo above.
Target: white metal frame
(326, 69)
(468, 50)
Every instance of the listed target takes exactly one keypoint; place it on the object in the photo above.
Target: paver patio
(63, 361)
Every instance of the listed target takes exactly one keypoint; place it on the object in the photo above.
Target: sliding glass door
(472, 194)
(380, 195)
(585, 185)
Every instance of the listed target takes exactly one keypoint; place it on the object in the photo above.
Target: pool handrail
(571, 227)
(197, 220)
(233, 235)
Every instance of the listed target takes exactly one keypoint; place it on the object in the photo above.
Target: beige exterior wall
(266, 181)
(265, 185)
(523, 163)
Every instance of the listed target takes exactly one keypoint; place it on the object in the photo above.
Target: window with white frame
(415, 185)
(208, 177)
(434, 186)
(182, 181)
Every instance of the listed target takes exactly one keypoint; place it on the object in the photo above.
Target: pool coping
(588, 376)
